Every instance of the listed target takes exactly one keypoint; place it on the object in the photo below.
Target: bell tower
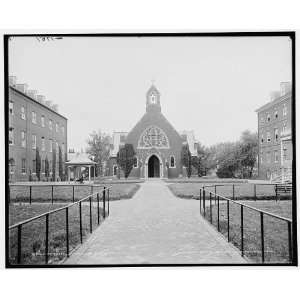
(153, 100)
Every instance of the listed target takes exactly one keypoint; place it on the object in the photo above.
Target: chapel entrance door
(153, 167)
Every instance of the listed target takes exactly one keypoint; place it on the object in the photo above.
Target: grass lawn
(276, 231)
(42, 193)
(33, 233)
(241, 191)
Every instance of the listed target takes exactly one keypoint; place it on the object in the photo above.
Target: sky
(211, 85)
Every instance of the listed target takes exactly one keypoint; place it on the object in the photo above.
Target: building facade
(34, 124)
(157, 144)
(275, 136)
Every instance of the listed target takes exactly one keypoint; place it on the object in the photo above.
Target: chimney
(12, 80)
(55, 107)
(285, 87)
(40, 98)
(32, 94)
(22, 87)
(274, 95)
(48, 103)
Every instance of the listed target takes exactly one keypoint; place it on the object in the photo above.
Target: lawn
(241, 191)
(33, 233)
(42, 193)
(276, 231)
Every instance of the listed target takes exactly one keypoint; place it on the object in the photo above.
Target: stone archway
(153, 167)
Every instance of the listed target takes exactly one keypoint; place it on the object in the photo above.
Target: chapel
(156, 142)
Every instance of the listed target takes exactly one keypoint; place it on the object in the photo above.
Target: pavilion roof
(79, 159)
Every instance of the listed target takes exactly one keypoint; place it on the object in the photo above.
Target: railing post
(242, 230)
(276, 191)
(218, 213)
(98, 209)
(228, 220)
(67, 230)
(255, 192)
(52, 193)
(215, 194)
(19, 254)
(73, 193)
(262, 237)
(200, 196)
(290, 242)
(204, 202)
(210, 207)
(47, 239)
(103, 202)
(80, 222)
(108, 202)
(233, 192)
(30, 191)
(91, 228)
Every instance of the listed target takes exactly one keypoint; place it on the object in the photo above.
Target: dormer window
(276, 114)
(268, 117)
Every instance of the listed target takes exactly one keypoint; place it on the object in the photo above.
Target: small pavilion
(78, 163)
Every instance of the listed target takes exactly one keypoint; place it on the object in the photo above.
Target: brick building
(275, 136)
(33, 124)
(157, 144)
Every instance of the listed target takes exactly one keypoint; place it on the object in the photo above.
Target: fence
(105, 212)
(254, 191)
(49, 192)
(207, 212)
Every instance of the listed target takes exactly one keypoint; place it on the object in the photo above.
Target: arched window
(135, 162)
(115, 169)
(11, 166)
(172, 162)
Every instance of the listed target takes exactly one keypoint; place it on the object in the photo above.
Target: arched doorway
(153, 167)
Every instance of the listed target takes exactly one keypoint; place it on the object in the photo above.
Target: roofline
(275, 101)
(43, 105)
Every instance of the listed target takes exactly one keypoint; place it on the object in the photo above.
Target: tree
(98, 148)
(60, 164)
(186, 159)
(47, 171)
(125, 159)
(199, 162)
(38, 164)
(54, 165)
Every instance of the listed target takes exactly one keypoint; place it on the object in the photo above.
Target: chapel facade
(156, 143)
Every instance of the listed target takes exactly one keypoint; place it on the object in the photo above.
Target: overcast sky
(211, 85)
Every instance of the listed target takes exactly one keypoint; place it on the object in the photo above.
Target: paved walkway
(158, 228)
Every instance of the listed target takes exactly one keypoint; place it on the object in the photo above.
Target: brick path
(158, 228)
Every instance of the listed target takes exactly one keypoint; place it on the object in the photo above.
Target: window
(284, 128)
(63, 130)
(135, 163)
(284, 153)
(275, 156)
(172, 162)
(23, 166)
(276, 114)
(115, 169)
(268, 137)
(56, 148)
(11, 166)
(50, 166)
(43, 121)
(11, 136)
(23, 139)
(43, 144)
(23, 114)
(34, 166)
(284, 111)
(276, 135)
(50, 146)
(63, 150)
(50, 124)
(262, 139)
(33, 141)
(56, 127)
(33, 114)
(268, 156)
(43, 166)
(268, 117)
(262, 120)
(11, 108)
